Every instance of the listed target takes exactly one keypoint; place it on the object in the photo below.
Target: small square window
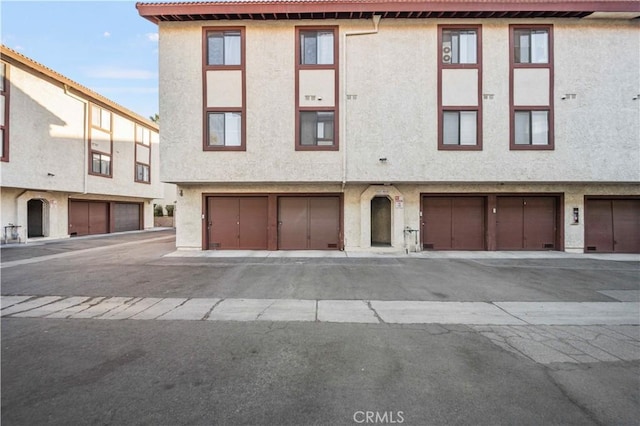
(316, 47)
(101, 164)
(317, 128)
(531, 46)
(459, 46)
(225, 129)
(224, 48)
(142, 173)
(460, 128)
(100, 118)
(531, 128)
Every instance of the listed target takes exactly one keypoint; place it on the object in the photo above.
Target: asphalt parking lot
(121, 329)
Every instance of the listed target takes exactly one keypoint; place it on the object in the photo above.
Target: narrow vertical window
(4, 113)
(531, 87)
(142, 154)
(100, 141)
(224, 89)
(460, 87)
(316, 88)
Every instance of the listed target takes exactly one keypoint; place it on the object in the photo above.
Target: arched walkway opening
(380, 222)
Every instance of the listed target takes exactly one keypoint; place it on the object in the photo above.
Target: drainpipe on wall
(376, 21)
(85, 124)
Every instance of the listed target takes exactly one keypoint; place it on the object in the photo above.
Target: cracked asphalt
(62, 363)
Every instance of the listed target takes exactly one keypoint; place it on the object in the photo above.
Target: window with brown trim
(460, 87)
(224, 89)
(4, 112)
(142, 154)
(100, 141)
(531, 87)
(316, 88)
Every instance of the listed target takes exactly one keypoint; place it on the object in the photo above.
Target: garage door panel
(223, 222)
(292, 223)
(437, 219)
(626, 226)
(599, 226)
(126, 217)
(253, 225)
(324, 222)
(509, 226)
(98, 218)
(78, 218)
(539, 223)
(467, 223)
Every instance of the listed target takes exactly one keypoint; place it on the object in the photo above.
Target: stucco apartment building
(73, 162)
(357, 124)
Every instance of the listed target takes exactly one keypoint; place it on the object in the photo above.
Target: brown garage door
(308, 223)
(526, 223)
(88, 218)
(453, 223)
(237, 223)
(127, 217)
(612, 226)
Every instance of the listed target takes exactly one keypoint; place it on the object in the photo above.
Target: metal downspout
(376, 22)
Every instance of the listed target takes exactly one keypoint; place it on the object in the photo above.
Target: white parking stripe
(52, 307)
(77, 308)
(7, 301)
(31, 304)
(160, 308)
(133, 308)
(101, 308)
(194, 309)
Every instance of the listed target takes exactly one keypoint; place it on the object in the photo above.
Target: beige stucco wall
(405, 207)
(393, 75)
(49, 157)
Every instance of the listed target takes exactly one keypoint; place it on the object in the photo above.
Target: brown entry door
(308, 223)
(612, 226)
(237, 223)
(453, 223)
(526, 223)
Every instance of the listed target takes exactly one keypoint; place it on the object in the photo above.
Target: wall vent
(332, 246)
(549, 245)
(591, 248)
(427, 246)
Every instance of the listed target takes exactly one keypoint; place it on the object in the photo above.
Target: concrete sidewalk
(386, 253)
(340, 311)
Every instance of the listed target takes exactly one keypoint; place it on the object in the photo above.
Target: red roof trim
(354, 9)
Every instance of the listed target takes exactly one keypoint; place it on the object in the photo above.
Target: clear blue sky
(103, 45)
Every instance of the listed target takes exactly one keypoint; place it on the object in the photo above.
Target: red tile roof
(357, 9)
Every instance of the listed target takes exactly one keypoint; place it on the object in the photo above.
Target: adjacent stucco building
(488, 125)
(73, 162)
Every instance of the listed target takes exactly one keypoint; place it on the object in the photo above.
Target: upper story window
(531, 46)
(100, 118)
(224, 90)
(224, 48)
(100, 141)
(4, 113)
(460, 88)
(531, 87)
(459, 46)
(142, 154)
(317, 81)
(317, 47)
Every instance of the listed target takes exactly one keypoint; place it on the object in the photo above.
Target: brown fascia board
(17, 59)
(152, 11)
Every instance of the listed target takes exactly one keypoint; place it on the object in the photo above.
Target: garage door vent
(215, 245)
(591, 248)
(333, 246)
(428, 245)
(549, 245)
